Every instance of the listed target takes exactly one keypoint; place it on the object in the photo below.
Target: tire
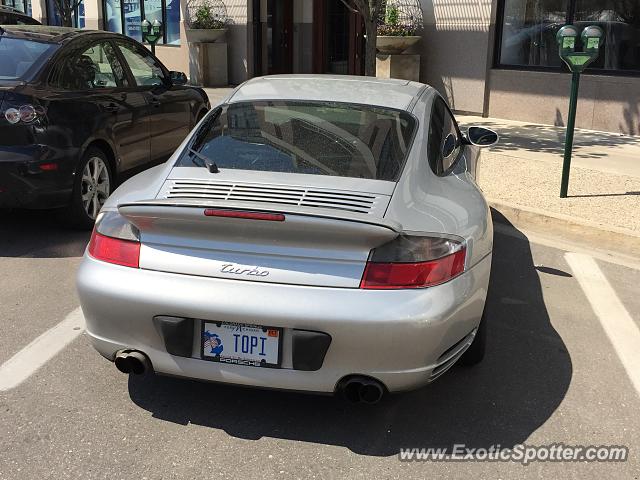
(91, 188)
(475, 353)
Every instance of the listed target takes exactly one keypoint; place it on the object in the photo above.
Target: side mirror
(482, 137)
(178, 78)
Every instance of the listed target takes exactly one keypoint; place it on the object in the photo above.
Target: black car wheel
(92, 186)
(475, 353)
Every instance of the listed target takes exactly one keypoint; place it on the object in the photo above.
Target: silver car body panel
(306, 249)
(315, 258)
(397, 337)
(454, 204)
(390, 93)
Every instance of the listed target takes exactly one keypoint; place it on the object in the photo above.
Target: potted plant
(207, 21)
(397, 34)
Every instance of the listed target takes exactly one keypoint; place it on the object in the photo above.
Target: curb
(603, 237)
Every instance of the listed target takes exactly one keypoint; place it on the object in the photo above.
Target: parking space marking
(621, 329)
(28, 360)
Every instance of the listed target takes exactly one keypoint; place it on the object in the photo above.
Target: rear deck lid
(279, 190)
(253, 241)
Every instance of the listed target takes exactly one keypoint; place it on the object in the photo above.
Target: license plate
(241, 344)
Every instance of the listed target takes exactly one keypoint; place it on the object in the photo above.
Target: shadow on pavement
(39, 234)
(605, 195)
(523, 379)
(550, 139)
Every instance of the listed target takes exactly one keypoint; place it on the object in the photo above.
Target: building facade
(494, 58)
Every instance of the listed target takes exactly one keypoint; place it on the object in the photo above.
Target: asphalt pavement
(557, 370)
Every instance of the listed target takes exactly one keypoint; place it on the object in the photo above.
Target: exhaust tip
(132, 361)
(359, 389)
(351, 391)
(371, 393)
(122, 363)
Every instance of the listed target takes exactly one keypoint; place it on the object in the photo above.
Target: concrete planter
(392, 45)
(197, 35)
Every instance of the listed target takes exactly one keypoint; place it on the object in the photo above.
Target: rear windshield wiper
(209, 163)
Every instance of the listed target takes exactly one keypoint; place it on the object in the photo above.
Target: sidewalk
(524, 170)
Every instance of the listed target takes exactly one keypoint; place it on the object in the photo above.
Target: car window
(314, 138)
(94, 67)
(445, 142)
(145, 69)
(20, 56)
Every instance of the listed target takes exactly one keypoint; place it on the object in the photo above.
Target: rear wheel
(475, 353)
(92, 186)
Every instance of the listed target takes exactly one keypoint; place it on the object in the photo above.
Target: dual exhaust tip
(356, 389)
(360, 389)
(132, 361)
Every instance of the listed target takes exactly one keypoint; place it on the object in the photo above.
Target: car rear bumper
(24, 184)
(403, 338)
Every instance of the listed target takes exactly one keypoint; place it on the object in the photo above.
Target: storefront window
(132, 19)
(125, 16)
(529, 28)
(113, 16)
(23, 6)
(172, 16)
(53, 15)
(620, 21)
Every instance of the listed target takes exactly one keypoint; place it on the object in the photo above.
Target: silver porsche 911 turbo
(313, 233)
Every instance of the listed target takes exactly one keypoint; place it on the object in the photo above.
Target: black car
(77, 109)
(11, 16)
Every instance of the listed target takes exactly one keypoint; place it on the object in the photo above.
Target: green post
(568, 142)
(576, 61)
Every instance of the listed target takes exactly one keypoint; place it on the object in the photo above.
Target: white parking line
(621, 329)
(28, 360)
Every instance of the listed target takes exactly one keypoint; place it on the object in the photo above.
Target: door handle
(155, 102)
(111, 107)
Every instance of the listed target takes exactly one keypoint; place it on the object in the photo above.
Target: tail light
(114, 240)
(411, 261)
(24, 113)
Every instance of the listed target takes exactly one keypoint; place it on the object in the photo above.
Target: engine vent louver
(276, 194)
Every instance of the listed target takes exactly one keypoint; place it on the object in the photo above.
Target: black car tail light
(114, 240)
(413, 261)
(23, 113)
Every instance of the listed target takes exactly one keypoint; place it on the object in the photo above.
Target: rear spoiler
(167, 209)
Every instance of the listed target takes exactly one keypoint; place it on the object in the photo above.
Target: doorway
(338, 38)
(279, 36)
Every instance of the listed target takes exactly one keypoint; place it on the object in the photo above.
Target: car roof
(45, 33)
(383, 92)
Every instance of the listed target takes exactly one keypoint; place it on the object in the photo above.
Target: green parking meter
(592, 39)
(151, 33)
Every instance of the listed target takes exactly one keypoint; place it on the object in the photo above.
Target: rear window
(318, 138)
(18, 56)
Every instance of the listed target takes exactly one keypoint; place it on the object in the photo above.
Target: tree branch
(349, 7)
(363, 9)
